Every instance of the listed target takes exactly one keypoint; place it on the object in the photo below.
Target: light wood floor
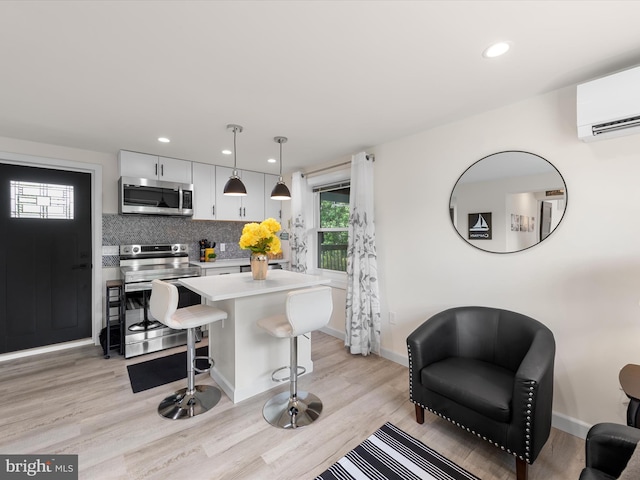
(75, 402)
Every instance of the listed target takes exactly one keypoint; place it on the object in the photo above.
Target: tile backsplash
(147, 229)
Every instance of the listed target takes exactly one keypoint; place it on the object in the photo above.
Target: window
(41, 200)
(333, 223)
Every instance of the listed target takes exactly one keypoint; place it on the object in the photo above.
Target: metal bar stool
(194, 399)
(306, 310)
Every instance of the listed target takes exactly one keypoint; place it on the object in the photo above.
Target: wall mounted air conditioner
(609, 106)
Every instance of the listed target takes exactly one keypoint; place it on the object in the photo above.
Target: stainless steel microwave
(155, 197)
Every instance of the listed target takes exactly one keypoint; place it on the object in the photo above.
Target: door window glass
(41, 200)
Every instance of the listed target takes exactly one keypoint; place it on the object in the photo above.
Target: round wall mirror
(508, 201)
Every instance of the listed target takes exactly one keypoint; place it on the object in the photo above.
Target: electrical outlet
(392, 318)
(223, 247)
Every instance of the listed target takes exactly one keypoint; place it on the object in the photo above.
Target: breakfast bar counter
(244, 354)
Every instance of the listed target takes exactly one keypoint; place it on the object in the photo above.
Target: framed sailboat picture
(480, 226)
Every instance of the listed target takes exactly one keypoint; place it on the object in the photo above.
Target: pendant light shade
(234, 185)
(280, 191)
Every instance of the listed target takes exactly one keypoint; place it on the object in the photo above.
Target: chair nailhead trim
(502, 447)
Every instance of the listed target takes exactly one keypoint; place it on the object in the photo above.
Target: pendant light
(234, 185)
(280, 191)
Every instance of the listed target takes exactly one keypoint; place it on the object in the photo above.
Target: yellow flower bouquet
(261, 237)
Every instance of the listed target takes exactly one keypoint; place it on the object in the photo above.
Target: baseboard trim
(333, 332)
(394, 357)
(571, 425)
(384, 353)
(46, 349)
(567, 424)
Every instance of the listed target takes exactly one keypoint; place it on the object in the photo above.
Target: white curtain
(299, 227)
(363, 304)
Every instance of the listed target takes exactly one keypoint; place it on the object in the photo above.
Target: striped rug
(393, 454)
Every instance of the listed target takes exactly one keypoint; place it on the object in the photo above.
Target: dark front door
(45, 256)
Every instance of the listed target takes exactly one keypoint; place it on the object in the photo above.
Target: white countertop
(233, 262)
(236, 285)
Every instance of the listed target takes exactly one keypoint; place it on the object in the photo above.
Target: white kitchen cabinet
(272, 208)
(248, 208)
(204, 191)
(174, 170)
(144, 165)
(228, 208)
(253, 203)
(138, 165)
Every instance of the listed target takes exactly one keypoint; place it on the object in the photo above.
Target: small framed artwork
(480, 226)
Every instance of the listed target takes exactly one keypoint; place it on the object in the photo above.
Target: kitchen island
(245, 355)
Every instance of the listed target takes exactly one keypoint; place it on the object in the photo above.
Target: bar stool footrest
(203, 370)
(301, 371)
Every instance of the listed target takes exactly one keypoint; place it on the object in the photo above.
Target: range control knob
(136, 249)
(174, 248)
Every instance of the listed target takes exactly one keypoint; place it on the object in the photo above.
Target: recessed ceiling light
(227, 152)
(496, 49)
(163, 139)
(271, 160)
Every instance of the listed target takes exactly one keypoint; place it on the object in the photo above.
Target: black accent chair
(489, 371)
(608, 449)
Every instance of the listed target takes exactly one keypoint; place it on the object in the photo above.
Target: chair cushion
(477, 385)
(195, 316)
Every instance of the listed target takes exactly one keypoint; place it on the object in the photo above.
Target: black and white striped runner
(391, 454)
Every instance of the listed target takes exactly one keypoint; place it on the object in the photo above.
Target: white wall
(583, 281)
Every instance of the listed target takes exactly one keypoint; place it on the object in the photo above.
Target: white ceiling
(335, 77)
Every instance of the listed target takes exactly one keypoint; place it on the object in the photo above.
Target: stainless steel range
(139, 265)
